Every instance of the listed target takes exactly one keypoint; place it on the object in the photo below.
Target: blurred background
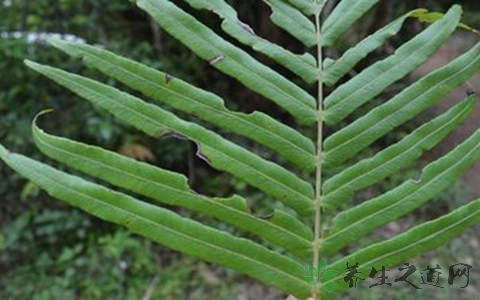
(51, 251)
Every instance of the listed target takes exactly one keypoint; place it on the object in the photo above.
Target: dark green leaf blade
(172, 189)
(292, 21)
(341, 187)
(421, 95)
(375, 79)
(302, 65)
(405, 246)
(221, 153)
(187, 98)
(163, 226)
(357, 222)
(232, 60)
(354, 55)
(306, 6)
(342, 18)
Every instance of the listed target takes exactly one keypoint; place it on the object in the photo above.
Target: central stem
(319, 157)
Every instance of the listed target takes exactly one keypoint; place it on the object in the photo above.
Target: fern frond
(292, 21)
(302, 65)
(341, 187)
(232, 60)
(426, 92)
(354, 55)
(164, 226)
(286, 242)
(306, 6)
(184, 97)
(172, 189)
(405, 246)
(220, 153)
(375, 79)
(345, 14)
(356, 222)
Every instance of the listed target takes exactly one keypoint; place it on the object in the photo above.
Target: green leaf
(306, 6)
(172, 189)
(342, 18)
(221, 154)
(421, 95)
(322, 264)
(355, 223)
(331, 286)
(302, 65)
(354, 55)
(286, 231)
(292, 21)
(430, 18)
(329, 274)
(164, 226)
(291, 223)
(232, 60)
(184, 97)
(417, 240)
(312, 281)
(312, 271)
(341, 187)
(435, 16)
(376, 78)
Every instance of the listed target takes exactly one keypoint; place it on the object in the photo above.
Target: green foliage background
(50, 251)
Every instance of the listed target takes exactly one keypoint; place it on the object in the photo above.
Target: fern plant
(316, 221)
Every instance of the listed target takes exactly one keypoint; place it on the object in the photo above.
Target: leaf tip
(28, 62)
(41, 113)
(31, 64)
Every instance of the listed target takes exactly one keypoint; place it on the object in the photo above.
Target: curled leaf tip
(41, 113)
